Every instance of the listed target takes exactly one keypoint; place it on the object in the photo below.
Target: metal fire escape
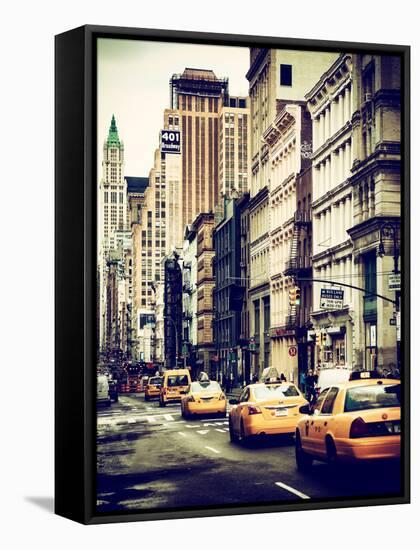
(298, 262)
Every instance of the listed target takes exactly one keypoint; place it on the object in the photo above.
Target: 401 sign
(170, 141)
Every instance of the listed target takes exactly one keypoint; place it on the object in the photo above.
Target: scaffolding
(198, 82)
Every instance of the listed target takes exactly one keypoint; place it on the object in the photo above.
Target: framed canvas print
(232, 274)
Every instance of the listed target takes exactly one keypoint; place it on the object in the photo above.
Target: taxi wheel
(184, 413)
(331, 452)
(146, 398)
(243, 438)
(233, 437)
(303, 461)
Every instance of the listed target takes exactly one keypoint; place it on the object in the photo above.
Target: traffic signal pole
(335, 283)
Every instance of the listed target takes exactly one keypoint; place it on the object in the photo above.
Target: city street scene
(248, 276)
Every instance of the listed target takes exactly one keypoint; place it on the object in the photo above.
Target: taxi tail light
(191, 399)
(253, 410)
(222, 397)
(359, 428)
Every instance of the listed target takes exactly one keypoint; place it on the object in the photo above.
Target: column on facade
(327, 123)
(321, 128)
(347, 92)
(328, 232)
(327, 175)
(315, 133)
(333, 116)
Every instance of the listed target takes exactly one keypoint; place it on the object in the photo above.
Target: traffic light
(297, 296)
(318, 339)
(292, 296)
(324, 339)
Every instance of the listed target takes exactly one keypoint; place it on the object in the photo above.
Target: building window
(285, 75)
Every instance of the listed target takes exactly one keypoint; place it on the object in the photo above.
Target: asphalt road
(150, 458)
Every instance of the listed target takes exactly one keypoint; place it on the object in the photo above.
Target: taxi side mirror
(305, 409)
(233, 401)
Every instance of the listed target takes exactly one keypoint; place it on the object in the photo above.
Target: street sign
(292, 351)
(394, 281)
(331, 298)
(170, 141)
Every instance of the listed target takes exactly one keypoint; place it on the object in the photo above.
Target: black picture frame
(75, 268)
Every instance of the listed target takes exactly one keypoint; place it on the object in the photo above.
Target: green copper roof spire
(113, 138)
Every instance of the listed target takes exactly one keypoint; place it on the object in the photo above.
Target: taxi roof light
(364, 375)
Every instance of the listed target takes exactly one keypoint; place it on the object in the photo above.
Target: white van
(330, 375)
(102, 390)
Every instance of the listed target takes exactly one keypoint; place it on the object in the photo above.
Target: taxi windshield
(271, 392)
(205, 386)
(177, 380)
(372, 397)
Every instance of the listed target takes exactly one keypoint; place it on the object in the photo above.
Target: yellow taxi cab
(265, 409)
(204, 397)
(152, 388)
(355, 420)
(175, 385)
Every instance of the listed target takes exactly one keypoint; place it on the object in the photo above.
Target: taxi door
(324, 421)
(309, 437)
(243, 399)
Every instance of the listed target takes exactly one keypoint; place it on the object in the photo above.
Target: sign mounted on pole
(394, 281)
(292, 351)
(331, 298)
(170, 141)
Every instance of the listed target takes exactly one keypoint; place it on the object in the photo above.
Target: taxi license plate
(393, 428)
(281, 412)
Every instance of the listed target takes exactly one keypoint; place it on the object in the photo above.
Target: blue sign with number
(170, 141)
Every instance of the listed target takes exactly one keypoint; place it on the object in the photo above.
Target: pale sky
(133, 83)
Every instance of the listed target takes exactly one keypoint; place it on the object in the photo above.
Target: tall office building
(112, 199)
(112, 217)
(197, 96)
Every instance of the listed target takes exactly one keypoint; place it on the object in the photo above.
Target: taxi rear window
(270, 392)
(372, 397)
(156, 381)
(209, 386)
(177, 380)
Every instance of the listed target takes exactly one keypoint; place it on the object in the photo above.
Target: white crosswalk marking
(151, 419)
(203, 432)
(219, 430)
(168, 417)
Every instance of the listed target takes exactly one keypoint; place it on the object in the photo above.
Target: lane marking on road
(183, 434)
(225, 429)
(168, 417)
(292, 490)
(151, 419)
(219, 430)
(211, 449)
(203, 432)
(192, 426)
(131, 420)
(216, 421)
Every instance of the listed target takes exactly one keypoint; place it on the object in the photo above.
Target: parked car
(102, 390)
